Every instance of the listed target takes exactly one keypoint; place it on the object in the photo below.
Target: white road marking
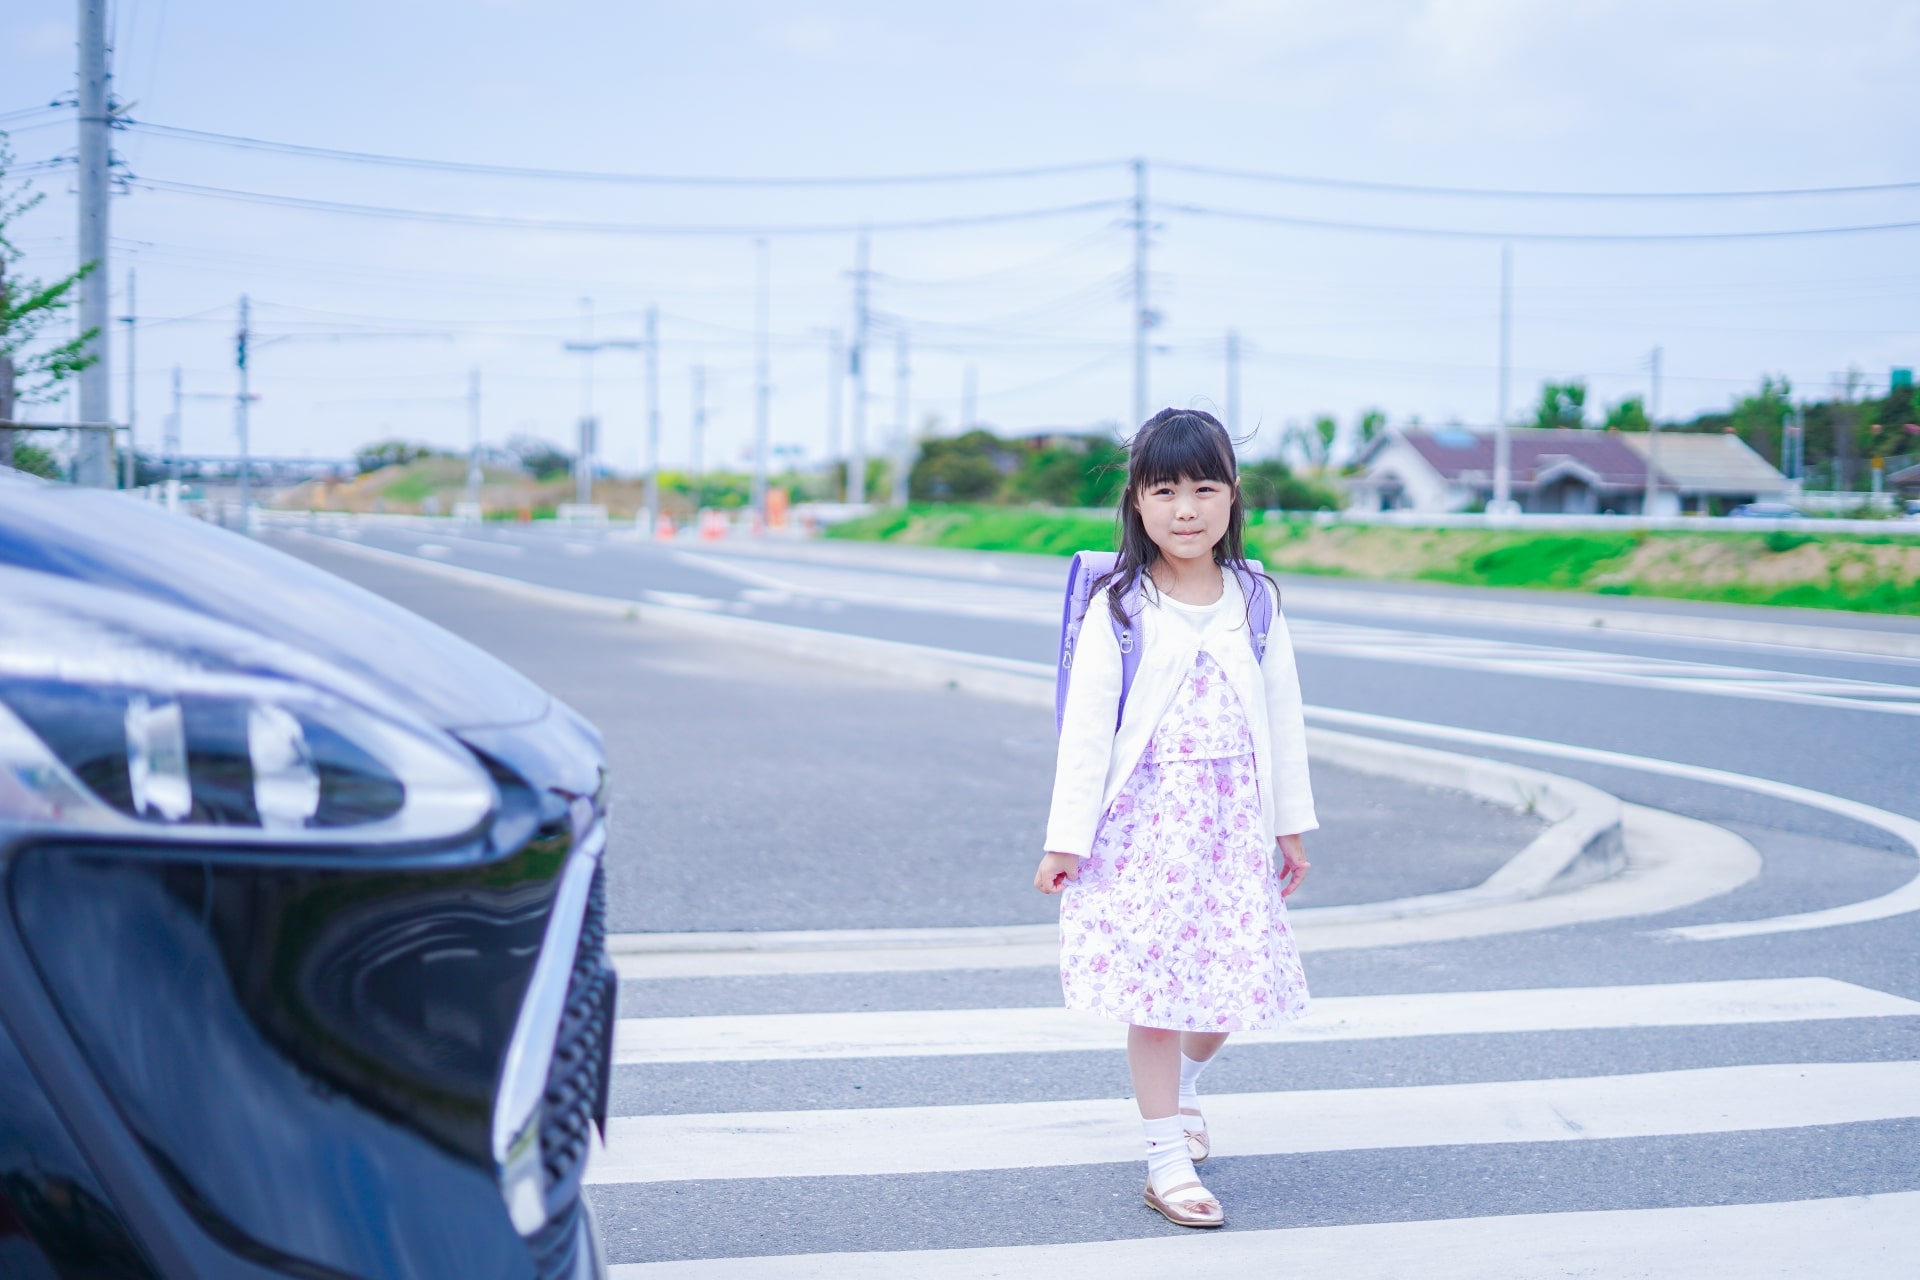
(1509, 657)
(1896, 902)
(1855, 1237)
(896, 1140)
(1672, 862)
(942, 1032)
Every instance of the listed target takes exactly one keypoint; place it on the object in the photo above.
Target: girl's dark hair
(1172, 445)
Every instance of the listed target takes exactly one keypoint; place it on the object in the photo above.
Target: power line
(507, 222)
(346, 155)
(639, 179)
(1568, 237)
(1514, 193)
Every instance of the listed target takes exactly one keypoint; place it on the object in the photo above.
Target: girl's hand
(1055, 870)
(1294, 864)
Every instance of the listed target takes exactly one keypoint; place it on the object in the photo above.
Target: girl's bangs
(1186, 447)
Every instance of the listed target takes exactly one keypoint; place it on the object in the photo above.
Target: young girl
(1167, 811)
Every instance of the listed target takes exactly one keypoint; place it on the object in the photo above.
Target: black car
(302, 962)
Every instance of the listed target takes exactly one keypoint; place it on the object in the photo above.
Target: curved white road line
(1024, 681)
(1900, 901)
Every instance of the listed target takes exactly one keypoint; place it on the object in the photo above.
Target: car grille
(576, 1096)
(556, 1247)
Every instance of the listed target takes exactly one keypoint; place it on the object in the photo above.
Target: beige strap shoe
(1187, 1205)
(1198, 1145)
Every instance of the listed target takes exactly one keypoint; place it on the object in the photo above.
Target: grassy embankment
(1868, 573)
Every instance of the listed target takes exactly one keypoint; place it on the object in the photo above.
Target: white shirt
(1095, 760)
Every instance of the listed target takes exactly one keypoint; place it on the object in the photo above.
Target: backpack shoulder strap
(1128, 636)
(1082, 571)
(1259, 607)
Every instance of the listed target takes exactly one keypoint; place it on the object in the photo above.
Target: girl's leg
(1196, 1051)
(1153, 1057)
(1200, 1046)
(1173, 1187)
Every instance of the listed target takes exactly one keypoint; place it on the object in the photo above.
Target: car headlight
(114, 713)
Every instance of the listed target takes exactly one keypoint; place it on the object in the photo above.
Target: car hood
(114, 541)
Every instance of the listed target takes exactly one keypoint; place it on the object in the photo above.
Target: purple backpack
(1087, 568)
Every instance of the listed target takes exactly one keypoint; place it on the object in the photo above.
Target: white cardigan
(1095, 761)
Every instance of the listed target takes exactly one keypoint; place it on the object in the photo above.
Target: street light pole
(242, 399)
(653, 419)
(1653, 435)
(857, 367)
(1503, 503)
(1142, 315)
(589, 427)
(902, 413)
(474, 476)
(762, 380)
(129, 319)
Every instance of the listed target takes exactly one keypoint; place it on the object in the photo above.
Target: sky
(369, 327)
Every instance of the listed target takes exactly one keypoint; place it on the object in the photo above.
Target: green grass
(1710, 564)
(982, 528)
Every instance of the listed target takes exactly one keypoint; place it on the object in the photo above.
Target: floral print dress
(1176, 920)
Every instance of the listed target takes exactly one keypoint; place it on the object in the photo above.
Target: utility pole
(1142, 315)
(699, 442)
(836, 378)
(92, 464)
(762, 386)
(170, 442)
(857, 368)
(1233, 383)
(902, 415)
(653, 420)
(474, 476)
(970, 397)
(129, 319)
(1503, 503)
(1653, 434)
(240, 423)
(6, 382)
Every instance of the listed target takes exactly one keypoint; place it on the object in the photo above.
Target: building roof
(1465, 455)
(1703, 462)
(1905, 479)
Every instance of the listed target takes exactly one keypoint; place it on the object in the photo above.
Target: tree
(1369, 426)
(1760, 419)
(32, 366)
(388, 453)
(539, 458)
(1562, 404)
(1629, 415)
(965, 468)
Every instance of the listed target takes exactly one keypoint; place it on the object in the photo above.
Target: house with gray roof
(1569, 471)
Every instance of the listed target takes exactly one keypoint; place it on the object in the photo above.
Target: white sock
(1189, 1080)
(1168, 1164)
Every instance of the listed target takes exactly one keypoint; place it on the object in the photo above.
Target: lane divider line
(1058, 1132)
(1873, 1235)
(960, 1032)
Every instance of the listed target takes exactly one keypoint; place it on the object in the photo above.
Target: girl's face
(1185, 518)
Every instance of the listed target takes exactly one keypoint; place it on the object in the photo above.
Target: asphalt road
(788, 795)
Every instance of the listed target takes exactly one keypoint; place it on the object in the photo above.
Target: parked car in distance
(1767, 511)
(302, 958)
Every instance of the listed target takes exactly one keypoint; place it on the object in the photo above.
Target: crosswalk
(1027, 1105)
